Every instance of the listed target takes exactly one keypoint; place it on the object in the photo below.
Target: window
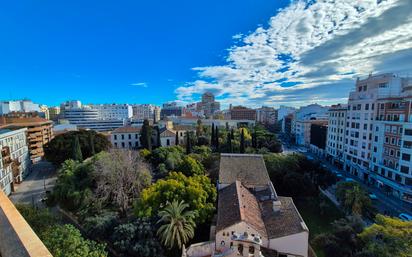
(408, 132)
(406, 157)
(405, 169)
(122, 137)
(130, 136)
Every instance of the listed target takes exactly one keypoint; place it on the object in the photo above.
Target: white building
(126, 138)
(113, 111)
(252, 220)
(98, 117)
(335, 145)
(18, 106)
(14, 158)
(284, 111)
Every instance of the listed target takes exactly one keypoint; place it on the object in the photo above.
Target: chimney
(276, 206)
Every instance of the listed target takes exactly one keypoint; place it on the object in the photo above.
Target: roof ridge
(238, 185)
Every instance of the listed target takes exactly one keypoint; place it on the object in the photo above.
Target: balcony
(17, 239)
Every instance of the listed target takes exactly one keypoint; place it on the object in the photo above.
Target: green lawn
(311, 213)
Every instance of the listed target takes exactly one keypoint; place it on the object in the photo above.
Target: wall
(296, 244)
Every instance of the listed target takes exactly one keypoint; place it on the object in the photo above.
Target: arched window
(251, 250)
(222, 243)
(240, 249)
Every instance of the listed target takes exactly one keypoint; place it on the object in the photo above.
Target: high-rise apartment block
(208, 105)
(18, 106)
(378, 133)
(146, 112)
(242, 113)
(335, 147)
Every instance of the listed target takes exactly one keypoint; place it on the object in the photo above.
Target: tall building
(54, 113)
(283, 111)
(14, 157)
(378, 142)
(18, 106)
(44, 112)
(113, 111)
(335, 146)
(242, 113)
(98, 117)
(303, 130)
(146, 112)
(312, 112)
(318, 138)
(267, 115)
(171, 109)
(208, 105)
(39, 132)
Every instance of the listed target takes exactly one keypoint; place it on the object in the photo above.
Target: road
(34, 186)
(385, 204)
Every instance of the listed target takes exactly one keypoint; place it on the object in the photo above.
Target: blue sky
(246, 51)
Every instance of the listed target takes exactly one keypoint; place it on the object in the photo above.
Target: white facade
(126, 139)
(113, 111)
(13, 151)
(312, 112)
(335, 145)
(18, 106)
(284, 111)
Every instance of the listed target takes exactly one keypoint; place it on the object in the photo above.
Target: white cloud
(139, 84)
(322, 45)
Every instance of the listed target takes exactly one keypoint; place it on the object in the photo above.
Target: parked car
(405, 217)
(349, 180)
(372, 196)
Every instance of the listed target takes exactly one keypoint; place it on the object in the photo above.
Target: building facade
(14, 157)
(242, 113)
(171, 109)
(146, 112)
(303, 130)
(335, 146)
(54, 113)
(208, 106)
(126, 138)
(267, 115)
(18, 106)
(39, 132)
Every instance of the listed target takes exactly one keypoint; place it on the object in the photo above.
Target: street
(34, 186)
(385, 204)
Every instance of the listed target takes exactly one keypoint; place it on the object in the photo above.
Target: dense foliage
(197, 191)
(295, 175)
(62, 147)
(61, 240)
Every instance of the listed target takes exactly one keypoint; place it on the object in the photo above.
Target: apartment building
(18, 106)
(335, 145)
(303, 130)
(267, 115)
(146, 112)
(318, 138)
(242, 113)
(378, 142)
(54, 113)
(171, 109)
(208, 106)
(14, 157)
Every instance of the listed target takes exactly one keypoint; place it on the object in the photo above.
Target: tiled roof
(237, 204)
(165, 132)
(183, 127)
(250, 169)
(22, 121)
(127, 129)
(285, 222)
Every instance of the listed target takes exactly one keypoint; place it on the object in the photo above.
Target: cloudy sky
(311, 52)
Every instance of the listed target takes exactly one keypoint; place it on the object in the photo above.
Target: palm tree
(356, 200)
(178, 224)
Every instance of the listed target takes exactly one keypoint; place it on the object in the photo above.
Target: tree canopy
(197, 191)
(61, 147)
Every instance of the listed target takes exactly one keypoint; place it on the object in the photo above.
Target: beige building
(302, 130)
(252, 219)
(39, 132)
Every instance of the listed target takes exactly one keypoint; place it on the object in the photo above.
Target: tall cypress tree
(229, 143)
(77, 151)
(254, 143)
(188, 143)
(146, 136)
(217, 138)
(212, 139)
(92, 150)
(159, 142)
(232, 134)
(177, 138)
(242, 141)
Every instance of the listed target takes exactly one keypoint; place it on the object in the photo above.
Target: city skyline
(270, 56)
